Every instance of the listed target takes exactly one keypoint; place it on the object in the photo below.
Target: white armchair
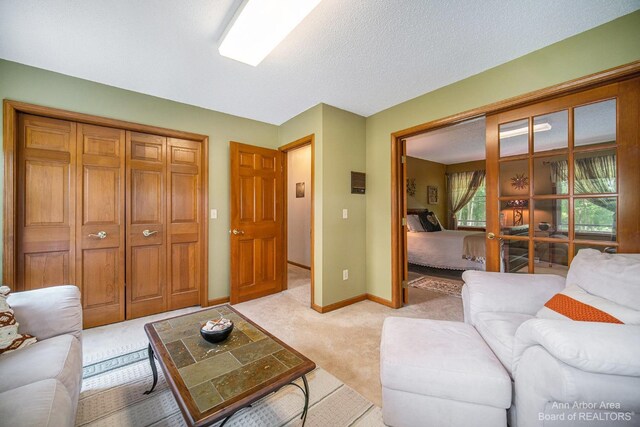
(564, 372)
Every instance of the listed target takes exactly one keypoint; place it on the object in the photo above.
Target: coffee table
(211, 382)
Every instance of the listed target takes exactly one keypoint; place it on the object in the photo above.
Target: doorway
(298, 161)
(446, 208)
(537, 220)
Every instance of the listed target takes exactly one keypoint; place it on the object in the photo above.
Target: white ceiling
(360, 55)
(465, 142)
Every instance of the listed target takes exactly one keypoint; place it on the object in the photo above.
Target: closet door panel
(46, 203)
(146, 229)
(101, 221)
(183, 228)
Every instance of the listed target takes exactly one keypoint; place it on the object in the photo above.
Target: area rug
(112, 395)
(436, 284)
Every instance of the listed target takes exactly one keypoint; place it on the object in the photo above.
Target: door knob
(147, 233)
(236, 231)
(100, 235)
(491, 236)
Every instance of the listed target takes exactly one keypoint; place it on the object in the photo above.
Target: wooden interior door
(257, 194)
(146, 225)
(100, 267)
(579, 154)
(46, 208)
(184, 207)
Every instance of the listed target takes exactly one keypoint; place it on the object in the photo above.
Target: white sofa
(565, 372)
(40, 384)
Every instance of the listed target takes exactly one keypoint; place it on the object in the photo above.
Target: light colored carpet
(436, 284)
(113, 395)
(352, 355)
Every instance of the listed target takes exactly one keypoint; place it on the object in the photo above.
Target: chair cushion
(55, 358)
(43, 403)
(499, 330)
(442, 359)
(615, 277)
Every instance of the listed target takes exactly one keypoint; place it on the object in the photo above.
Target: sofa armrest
(600, 348)
(507, 292)
(48, 312)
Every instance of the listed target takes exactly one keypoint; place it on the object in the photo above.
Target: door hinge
(404, 221)
(403, 159)
(405, 284)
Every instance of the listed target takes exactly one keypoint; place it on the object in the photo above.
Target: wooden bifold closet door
(115, 212)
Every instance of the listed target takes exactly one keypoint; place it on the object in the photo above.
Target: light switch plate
(345, 213)
(214, 213)
(345, 274)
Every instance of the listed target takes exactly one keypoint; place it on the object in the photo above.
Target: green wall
(339, 243)
(344, 240)
(609, 45)
(37, 86)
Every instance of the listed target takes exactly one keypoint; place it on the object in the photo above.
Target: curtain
(461, 187)
(593, 175)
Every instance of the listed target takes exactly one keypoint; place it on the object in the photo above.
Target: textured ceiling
(360, 55)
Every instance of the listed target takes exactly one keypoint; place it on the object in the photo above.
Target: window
(474, 213)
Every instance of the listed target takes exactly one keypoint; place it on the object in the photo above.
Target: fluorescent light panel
(260, 25)
(541, 127)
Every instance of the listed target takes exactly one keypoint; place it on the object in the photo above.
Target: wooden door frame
(308, 140)
(11, 109)
(398, 234)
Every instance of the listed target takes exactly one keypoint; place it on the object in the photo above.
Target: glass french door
(562, 175)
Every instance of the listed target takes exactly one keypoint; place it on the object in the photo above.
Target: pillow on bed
(430, 221)
(414, 224)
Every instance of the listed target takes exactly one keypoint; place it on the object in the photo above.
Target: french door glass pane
(514, 138)
(595, 123)
(550, 175)
(551, 218)
(514, 214)
(551, 131)
(595, 218)
(551, 258)
(515, 256)
(606, 249)
(595, 172)
(514, 178)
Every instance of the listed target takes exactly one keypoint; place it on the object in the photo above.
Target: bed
(441, 249)
(448, 249)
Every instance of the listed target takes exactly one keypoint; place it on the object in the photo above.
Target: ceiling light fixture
(260, 25)
(541, 127)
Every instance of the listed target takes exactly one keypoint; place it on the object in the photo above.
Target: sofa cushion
(615, 277)
(448, 360)
(55, 358)
(499, 331)
(42, 403)
(574, 303)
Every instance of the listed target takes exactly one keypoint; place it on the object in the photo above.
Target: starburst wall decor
(520, 181)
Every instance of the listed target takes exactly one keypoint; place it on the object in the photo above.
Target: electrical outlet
(345, 274)
(214, 213)
(345, 213)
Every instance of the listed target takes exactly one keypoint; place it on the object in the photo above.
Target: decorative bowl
(543, 226)
(216, 336)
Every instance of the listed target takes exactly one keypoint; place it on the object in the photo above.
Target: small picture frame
(432, 195)
(299, 190)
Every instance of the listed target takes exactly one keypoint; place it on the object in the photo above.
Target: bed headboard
(416, 211)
